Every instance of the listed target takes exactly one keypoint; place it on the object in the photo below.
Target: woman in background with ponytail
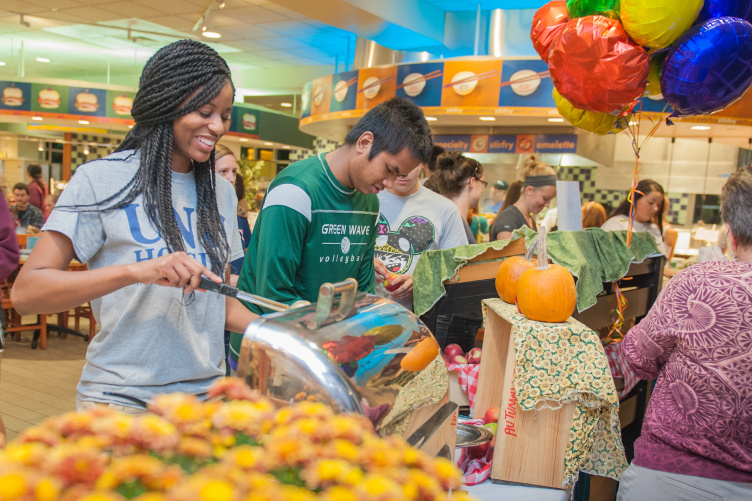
(37, 187)
(460, 179)
(149, 220)
(538, 189)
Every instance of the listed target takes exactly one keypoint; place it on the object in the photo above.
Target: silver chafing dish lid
(351, 360)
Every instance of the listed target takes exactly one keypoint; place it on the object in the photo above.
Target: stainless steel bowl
(469, 435)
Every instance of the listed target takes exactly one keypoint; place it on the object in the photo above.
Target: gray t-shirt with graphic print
(153, 339)
(409, 226)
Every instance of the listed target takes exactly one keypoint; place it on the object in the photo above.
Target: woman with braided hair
(149, 220)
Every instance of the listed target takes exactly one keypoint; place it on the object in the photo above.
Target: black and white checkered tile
(98, 147)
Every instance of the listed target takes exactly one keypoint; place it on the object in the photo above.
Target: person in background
(648, 208)
(226, 167)
(429, 168)
(478, 224)
(495, 200)
(513, 194)
(37, 187)
(49, 204)
(29, 216)
(696, 441)
(150, 221)
(412, 220)
(240, 192)
(460, 179)
(319, 216)
(537, 190)
(8, 263)
(593, 215)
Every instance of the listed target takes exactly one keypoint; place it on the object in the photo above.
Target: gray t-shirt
(152, 339)
(409, 226)
(509, 220)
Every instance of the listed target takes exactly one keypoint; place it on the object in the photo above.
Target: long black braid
(178, 79)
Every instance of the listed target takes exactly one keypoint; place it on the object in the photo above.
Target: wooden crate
(530, 445)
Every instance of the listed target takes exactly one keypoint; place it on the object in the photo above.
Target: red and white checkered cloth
(468, 376)
(475, 471)
(617, 362)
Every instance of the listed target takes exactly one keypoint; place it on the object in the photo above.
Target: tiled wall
(325, 145)
(299, 154)
(678, 202)
(99, 147)
(320, 145)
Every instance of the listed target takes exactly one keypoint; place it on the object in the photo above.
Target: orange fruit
(421, 355)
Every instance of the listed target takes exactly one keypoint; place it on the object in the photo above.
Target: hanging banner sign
(523, 143)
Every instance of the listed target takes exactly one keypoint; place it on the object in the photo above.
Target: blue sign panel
(86, 101)
(15, 96)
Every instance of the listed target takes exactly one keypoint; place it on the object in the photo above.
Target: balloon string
(615, 335)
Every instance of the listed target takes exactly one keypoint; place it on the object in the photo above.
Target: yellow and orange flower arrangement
(235, 447)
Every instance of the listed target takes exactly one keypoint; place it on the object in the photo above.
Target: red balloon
(596, 66)
(548, 21)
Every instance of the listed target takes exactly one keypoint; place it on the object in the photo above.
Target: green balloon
(582, 8)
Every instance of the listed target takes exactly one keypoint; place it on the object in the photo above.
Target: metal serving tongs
(228, 290)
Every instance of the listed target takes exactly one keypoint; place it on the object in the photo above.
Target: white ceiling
(89, 40)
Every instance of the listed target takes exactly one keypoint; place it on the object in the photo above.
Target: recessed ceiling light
(243, 140)
(285, 147)
(268, 144)
(431, 119)
(41, 146)
(701, 127)
(43, 60)
(286, 105)
(211, 34)
(488, 119)
(557, 120)
(83, 122)
(36, 118)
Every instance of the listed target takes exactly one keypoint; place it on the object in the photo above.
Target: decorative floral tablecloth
(557, 363)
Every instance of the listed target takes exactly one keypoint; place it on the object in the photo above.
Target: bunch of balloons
(603, 55)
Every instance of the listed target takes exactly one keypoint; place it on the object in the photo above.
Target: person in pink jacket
(696, 440)
(8, 264)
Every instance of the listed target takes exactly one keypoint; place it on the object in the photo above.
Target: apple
(491, 427)
(447, 359)
(459, 359)
(453, 350)
(491, 415)
(478, 451)
(389, 282)
(473, 356)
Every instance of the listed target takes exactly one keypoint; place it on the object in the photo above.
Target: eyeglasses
(484, 183)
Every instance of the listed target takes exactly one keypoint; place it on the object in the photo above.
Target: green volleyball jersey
(311, 230)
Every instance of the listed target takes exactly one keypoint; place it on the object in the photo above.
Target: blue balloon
(725, 8)
(709, 67)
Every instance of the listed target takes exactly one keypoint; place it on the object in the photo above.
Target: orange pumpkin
(509, 274)
(546, 293)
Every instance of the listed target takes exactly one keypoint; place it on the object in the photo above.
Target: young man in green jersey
(318, 220)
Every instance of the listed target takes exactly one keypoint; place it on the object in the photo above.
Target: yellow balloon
(591, 121)
(658, 23)
(653, 90)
